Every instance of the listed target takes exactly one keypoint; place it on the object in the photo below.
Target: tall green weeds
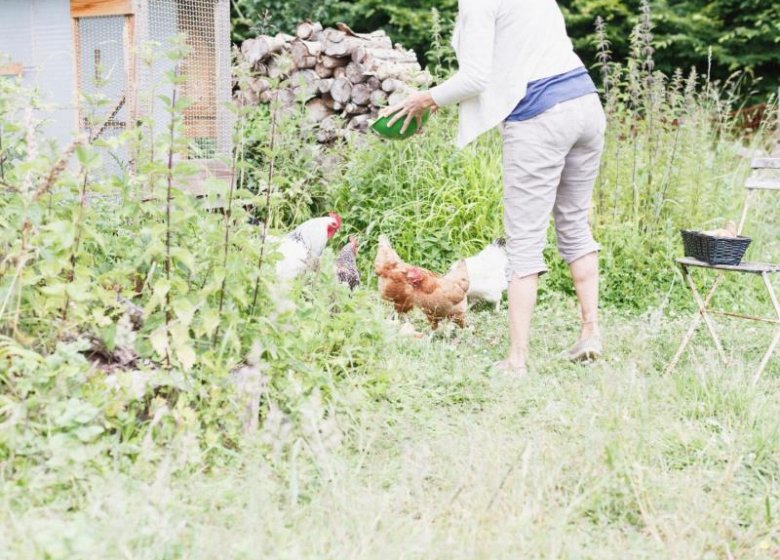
(675, 158)
(133, 317)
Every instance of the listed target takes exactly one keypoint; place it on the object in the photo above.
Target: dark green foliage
(739, 35)
(409, 22)
(254, 17)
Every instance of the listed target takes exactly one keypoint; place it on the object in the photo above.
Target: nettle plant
(129, 308)
(674, 158)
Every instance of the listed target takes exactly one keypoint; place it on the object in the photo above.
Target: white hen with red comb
(302, 248)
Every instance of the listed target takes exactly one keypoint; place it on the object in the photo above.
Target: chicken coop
(72, 50)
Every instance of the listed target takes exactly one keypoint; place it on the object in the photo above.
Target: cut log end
(306, 30)
(341, 90)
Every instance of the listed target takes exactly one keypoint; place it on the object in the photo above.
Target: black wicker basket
(714, 250)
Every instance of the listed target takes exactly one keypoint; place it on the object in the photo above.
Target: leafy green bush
(254, 17)
(304, 167)
(136, 320)
(718, 38)
(409, 22)
(434, 202)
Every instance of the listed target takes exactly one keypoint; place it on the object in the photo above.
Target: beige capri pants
(550, 166)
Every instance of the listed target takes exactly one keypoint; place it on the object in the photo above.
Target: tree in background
(719, 37)
(254, 17)
(409, 22)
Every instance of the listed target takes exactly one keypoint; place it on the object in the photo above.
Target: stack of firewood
(343, 77)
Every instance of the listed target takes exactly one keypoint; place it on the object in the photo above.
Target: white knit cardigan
(502, 45)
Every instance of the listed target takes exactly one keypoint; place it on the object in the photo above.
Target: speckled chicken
(346, 264)
(302, 248)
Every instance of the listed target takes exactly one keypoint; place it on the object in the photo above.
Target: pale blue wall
(38, 34)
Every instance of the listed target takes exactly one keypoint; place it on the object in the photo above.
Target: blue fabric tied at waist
(548, 92)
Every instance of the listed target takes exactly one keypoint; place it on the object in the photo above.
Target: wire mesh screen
(205, 69)
(102, 81)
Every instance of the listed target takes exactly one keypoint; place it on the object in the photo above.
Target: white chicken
(487, 274)
(302, 248)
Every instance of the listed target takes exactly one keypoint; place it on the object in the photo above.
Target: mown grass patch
(612, 460)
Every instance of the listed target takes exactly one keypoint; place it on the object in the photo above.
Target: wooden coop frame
(11, 69)
(107, 38)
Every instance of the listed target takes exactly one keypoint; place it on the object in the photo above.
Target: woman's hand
(410, 108)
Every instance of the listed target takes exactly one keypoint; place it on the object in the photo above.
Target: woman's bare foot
(511, 367)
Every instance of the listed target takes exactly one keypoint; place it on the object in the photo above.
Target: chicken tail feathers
(459, 273)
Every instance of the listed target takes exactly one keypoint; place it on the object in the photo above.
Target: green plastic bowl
(394, 132)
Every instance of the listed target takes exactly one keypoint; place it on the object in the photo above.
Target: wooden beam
(766, 182)
(12, 69)
(76, 62)
(766, 163)
(92, 8)
(130, 69)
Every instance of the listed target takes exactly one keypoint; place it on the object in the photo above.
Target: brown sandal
(587, 350)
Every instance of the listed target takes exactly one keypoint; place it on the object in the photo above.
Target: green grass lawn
(448, 460)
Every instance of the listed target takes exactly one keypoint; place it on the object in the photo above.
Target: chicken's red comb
(336, 216)
(414, 276)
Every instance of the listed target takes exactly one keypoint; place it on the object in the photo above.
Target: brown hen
(391, 270)
(406, 286)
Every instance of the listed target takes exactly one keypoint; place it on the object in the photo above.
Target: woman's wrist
(434, 97)
(429, 100)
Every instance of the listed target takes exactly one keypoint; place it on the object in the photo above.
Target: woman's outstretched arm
(477, 28)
